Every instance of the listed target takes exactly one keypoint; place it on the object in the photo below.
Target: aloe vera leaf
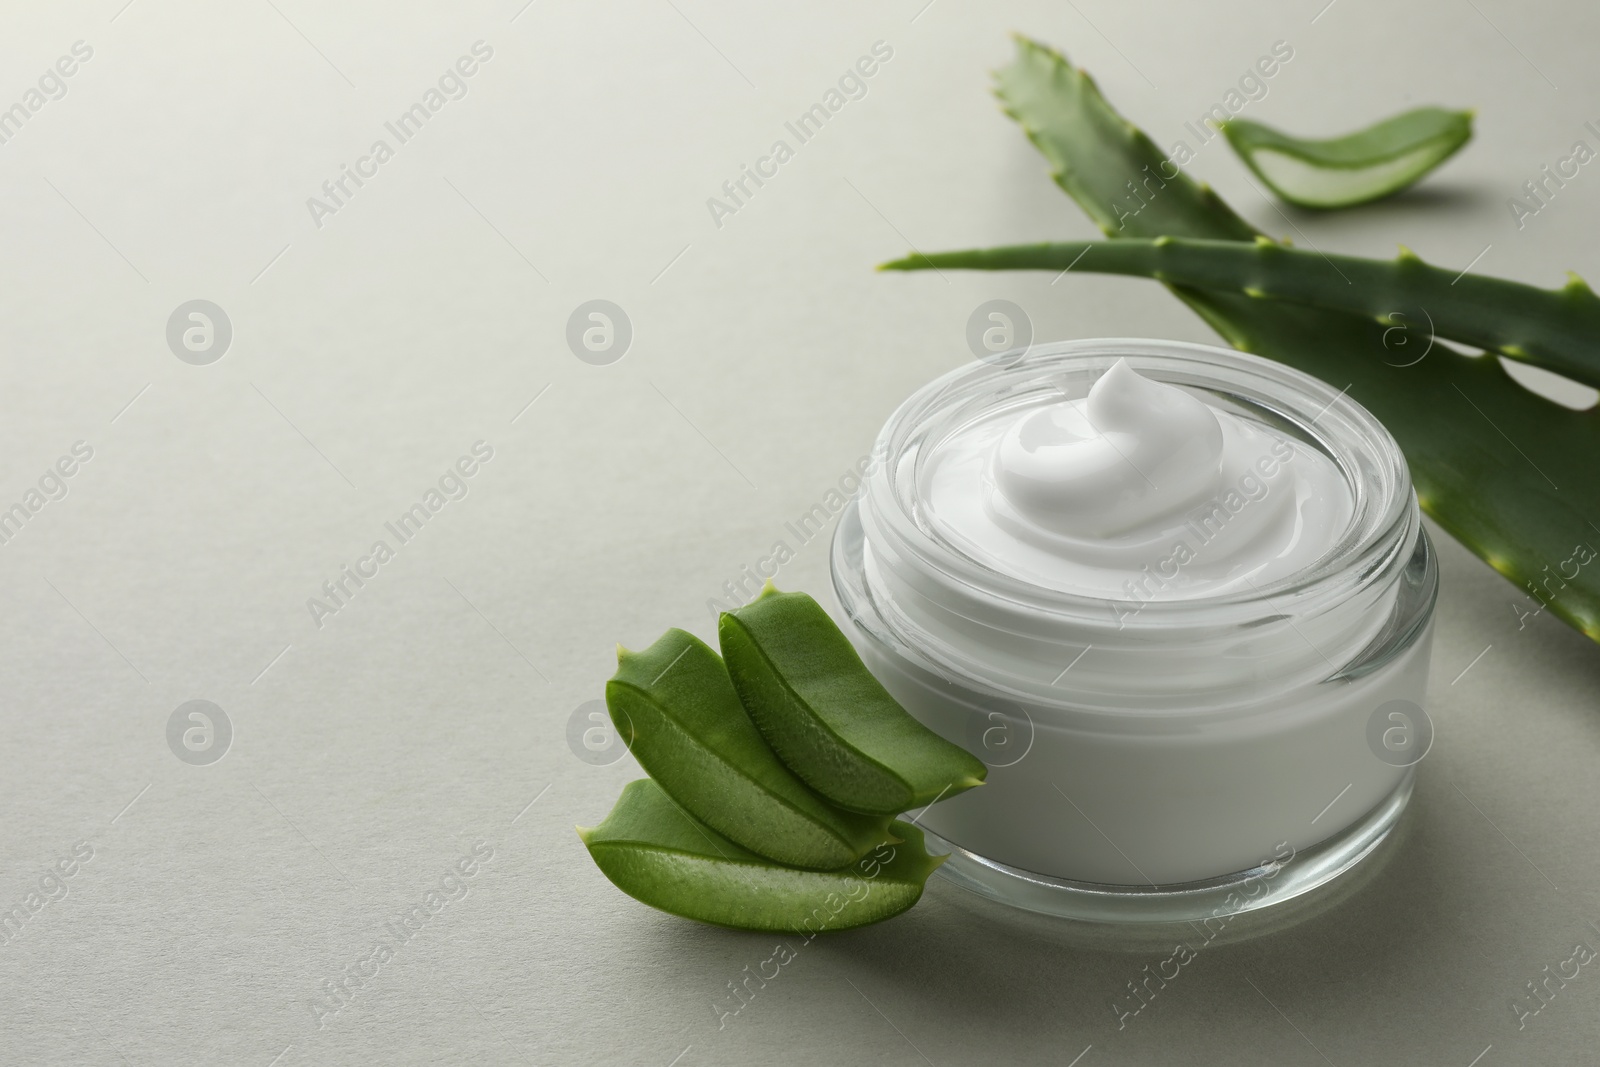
(1357, 168)
(1486, 456)
(827, 717)
(675, 707)
(1558, 329)
(658, 854)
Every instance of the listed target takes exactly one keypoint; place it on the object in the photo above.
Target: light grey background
(431, 711)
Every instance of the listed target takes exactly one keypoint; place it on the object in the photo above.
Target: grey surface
(425, 716)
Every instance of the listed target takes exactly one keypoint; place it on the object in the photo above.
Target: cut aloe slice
(682, 720)
(828, 718)
(1367, 165)
(656, 853)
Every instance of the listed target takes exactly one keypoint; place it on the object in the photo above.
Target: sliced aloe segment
(675, 707)
(1557, 329)
(1359, 167)
(828, 718)
(656, 853)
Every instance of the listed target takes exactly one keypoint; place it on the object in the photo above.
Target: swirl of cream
(1134, 452)
(1141, 490)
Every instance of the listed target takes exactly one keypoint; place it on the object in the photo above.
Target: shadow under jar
(1152, 759)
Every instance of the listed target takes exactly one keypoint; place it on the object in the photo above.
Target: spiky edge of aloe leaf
(1434, 134)
(1558, 329)
(1509, 474)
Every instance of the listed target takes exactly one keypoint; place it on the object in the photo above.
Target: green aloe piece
(1367, 165)
(675, 707)
(828, 718)
(1506, 472)
(1558, 329)
(661, 856)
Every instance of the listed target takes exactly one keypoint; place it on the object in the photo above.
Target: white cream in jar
(1164, 591)
(1138, 491)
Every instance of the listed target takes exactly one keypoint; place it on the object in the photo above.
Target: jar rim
(966, 619)
(1328, 418)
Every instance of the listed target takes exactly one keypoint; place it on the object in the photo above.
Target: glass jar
(1168, 759)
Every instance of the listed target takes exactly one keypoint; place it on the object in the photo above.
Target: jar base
(1270, 884)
